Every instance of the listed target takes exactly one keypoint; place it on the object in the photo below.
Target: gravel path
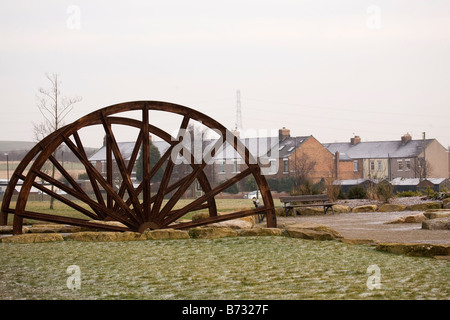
(372, 225)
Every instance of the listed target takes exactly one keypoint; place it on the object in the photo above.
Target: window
(400, 165)
(372, 165)
(286, 165)
(380, 165)
(221, 166)
(273, 166)
(355, 166)
(236, 166)
(408, 164)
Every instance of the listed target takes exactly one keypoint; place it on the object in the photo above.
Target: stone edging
(307, 230)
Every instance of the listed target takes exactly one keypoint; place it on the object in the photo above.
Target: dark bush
(357, 192)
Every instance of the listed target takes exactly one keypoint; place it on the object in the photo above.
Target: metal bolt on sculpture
(137, 208)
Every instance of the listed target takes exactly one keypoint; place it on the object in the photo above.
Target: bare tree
(54, 108)
(422, 168)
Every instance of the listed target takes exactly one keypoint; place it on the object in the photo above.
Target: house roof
(378, 149)
(258, 146)
(287, 146)
(126, 149)
(415, 181)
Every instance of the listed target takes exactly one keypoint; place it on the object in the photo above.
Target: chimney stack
(406, 138)
(355, 140)
(283, 134)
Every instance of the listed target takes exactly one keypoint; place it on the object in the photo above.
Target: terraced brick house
(404, 158)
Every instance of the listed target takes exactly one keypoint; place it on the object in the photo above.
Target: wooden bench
(318, 200)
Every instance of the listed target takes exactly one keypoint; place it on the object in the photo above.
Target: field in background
(223, 205)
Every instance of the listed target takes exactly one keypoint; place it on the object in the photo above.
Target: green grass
(230, 268)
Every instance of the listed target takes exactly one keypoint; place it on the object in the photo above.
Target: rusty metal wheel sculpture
(136, 206)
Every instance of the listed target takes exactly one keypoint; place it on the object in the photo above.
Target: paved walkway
(371, 226)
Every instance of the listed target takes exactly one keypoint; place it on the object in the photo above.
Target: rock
(339, 208)
(437, 213)
(72, 229)
(425, 206)
(310, 230)
(442, 257)
(46, 228)
(234, 224)
(9, 229)
(365, 208)
(212, 233)
(109, 223)
(200, 216)
(166, 234)
(391, 207)
(368, 242)
(104, 236)
(240, 223)
(260, 232)
(33, 238)
(436, 224)
(308, 211)
(415, 249)
(417, 218)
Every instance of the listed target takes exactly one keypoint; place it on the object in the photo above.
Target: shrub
(408, 193)
(233, 189)
(357, 192)
(385, 191)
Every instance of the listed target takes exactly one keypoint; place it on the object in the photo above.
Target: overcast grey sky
(331, 69)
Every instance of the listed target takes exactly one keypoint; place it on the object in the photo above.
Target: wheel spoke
(168, 220)
(122, 168)
(81, 154)
(59, 197)
(167, 175)
(96, 176)
(130, 168)
(75, 185)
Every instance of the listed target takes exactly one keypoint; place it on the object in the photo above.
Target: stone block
(391, 207)
(365, 208)
(415, 249)
(33, 238)
(212, 233)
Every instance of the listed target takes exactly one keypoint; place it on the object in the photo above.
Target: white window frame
(407, 164)
(400, 165)
(285, 165)
(355, 166)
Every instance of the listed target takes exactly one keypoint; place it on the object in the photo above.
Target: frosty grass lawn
(229, 268)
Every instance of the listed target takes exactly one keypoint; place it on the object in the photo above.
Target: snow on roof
(378, 149)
